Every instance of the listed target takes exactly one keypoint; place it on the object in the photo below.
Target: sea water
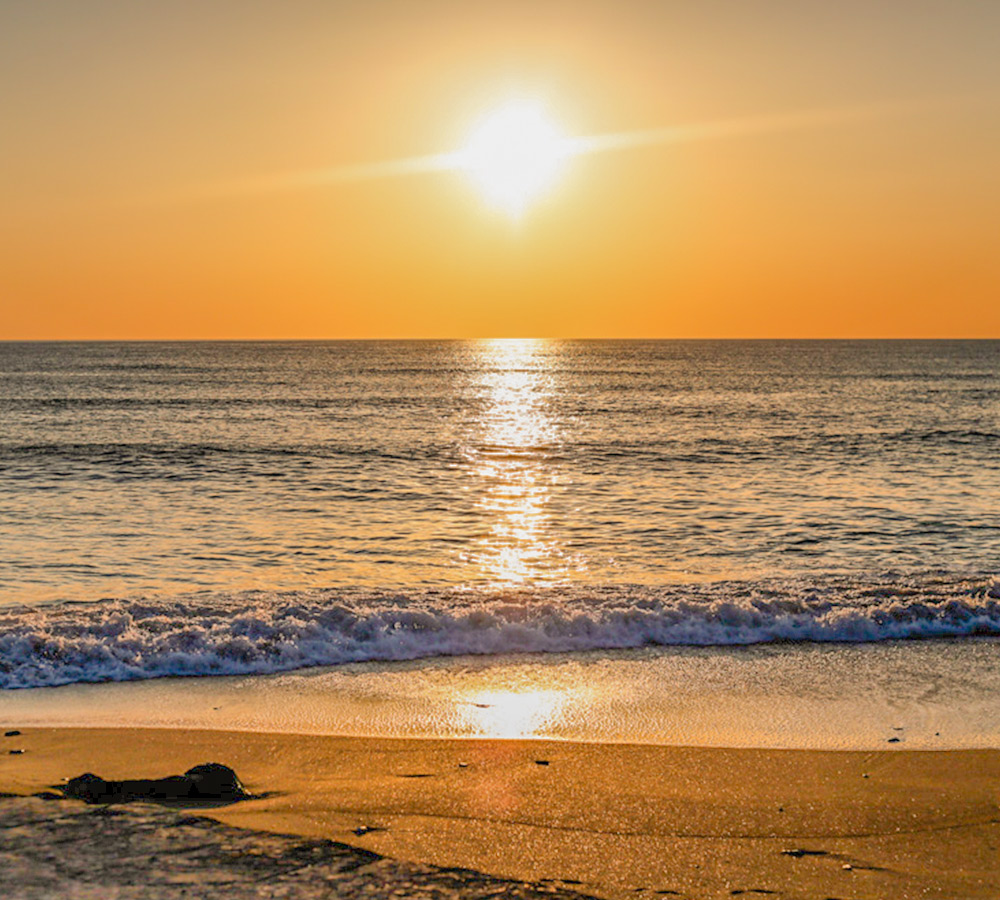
(212, 509)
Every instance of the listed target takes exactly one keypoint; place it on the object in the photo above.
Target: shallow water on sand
(907, 695)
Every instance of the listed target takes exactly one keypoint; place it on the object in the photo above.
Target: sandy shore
(622, 820)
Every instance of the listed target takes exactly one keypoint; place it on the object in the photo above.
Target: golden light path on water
(515, 436)
(510, 465)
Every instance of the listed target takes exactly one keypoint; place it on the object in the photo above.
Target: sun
(514, 154)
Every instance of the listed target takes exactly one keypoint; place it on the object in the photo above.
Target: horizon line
(331, 340)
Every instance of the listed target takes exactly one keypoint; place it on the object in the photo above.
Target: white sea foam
(254, 633)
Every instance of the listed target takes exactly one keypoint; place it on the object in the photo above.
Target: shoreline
(623, 820)
(936, 695)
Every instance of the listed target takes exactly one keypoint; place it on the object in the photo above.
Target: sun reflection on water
(515, 439)
(510, 714)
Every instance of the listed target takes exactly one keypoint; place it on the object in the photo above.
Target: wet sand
(612, 820)
(147, 852)
(932, 695)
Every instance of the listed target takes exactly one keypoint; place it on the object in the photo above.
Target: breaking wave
(256, 633)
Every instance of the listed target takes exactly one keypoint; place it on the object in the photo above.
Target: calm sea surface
(204, 508)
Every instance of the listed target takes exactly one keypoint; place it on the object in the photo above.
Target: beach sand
(611, 820)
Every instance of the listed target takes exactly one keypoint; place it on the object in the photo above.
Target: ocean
(234, 509)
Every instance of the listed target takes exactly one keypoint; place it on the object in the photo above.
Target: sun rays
(516, 151)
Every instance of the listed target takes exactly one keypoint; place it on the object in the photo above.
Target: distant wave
(256, 632)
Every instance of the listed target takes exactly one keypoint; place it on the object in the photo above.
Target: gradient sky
(125, 125)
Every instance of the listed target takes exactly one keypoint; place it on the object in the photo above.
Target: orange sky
(124, 123)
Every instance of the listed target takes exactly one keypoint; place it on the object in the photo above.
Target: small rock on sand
(216, 780)
(211, 781)
(13, 733)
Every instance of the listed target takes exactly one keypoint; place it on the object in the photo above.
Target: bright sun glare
(514, 154)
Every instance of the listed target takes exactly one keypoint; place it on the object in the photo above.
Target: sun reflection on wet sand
(509, 714)
(515, 440)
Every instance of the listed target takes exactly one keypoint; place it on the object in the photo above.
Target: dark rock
(16, 752)
(541, 762)
(87, 787)
(799, 853)
(216, 781)
(893, 741)
(13, 733)
(211, 781)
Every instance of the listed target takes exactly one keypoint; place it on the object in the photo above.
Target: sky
(189, 170)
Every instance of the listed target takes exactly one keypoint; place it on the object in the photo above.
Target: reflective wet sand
(917, 694)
